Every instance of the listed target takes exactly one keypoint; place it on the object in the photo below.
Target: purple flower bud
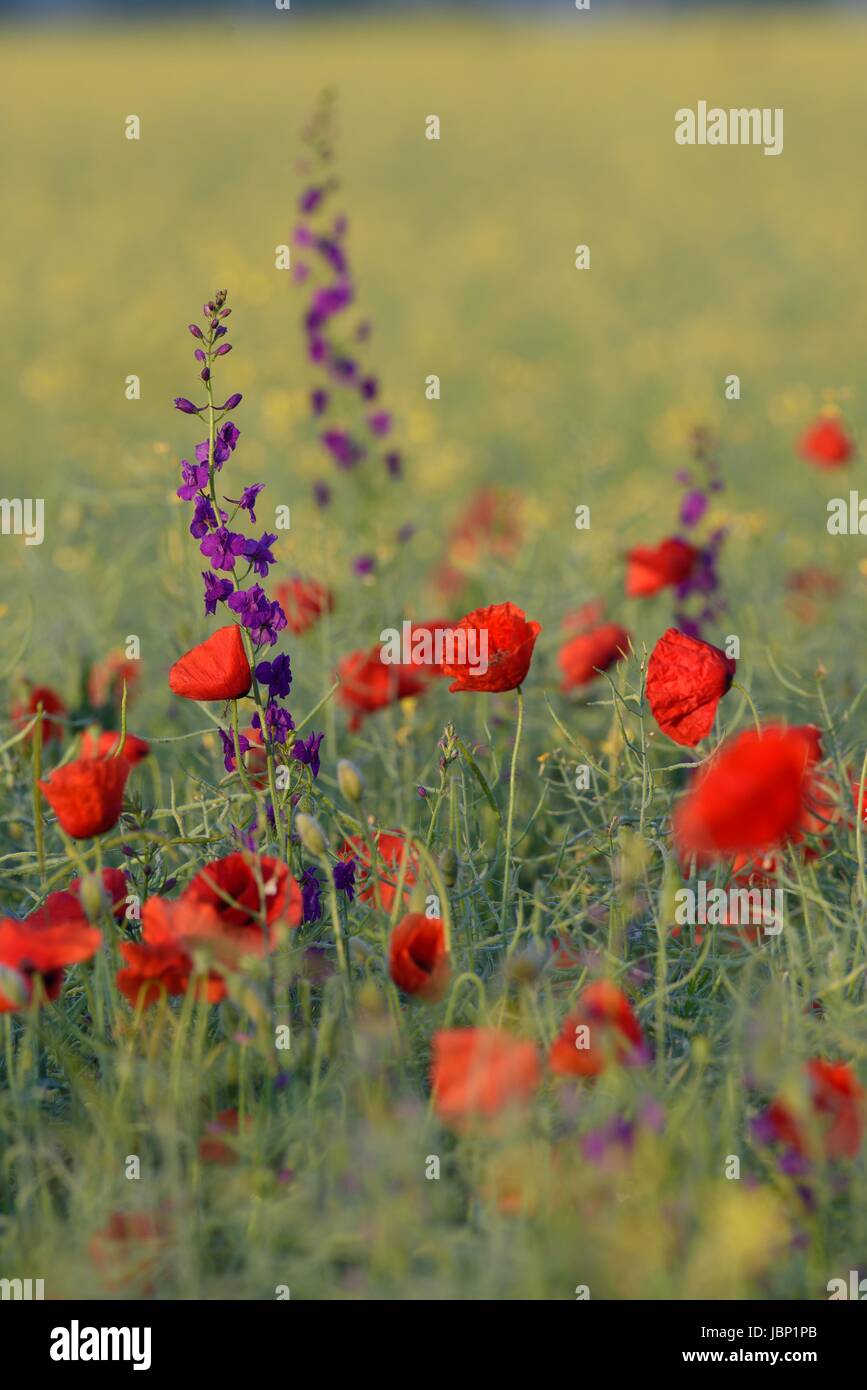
(232, 401)
(195, 330)
(223, 349)
(321, 494)
(181, 403)
(199, 355)
(205, 374)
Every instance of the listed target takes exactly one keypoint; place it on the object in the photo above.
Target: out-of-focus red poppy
(163, 960)
(590, 615)
(686, 679)
(510, 640)
(87, 795)
(476, 1073)
(601, 1029)
(216, 1146)
(750, 798)
(391, 852)
(217, 669)
(651, 568)
(417, 958)
(133, 1250)
(103, 745)
(106, 680)
(836, 1102)
(56, 935)
(23, 711)
(826, 444)
(809, 589)
(491, 526)
(582, 658)
(303, 601)
(250, 909)
(116, 887)
(368, 684)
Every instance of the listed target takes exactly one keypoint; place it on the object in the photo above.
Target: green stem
(510, 815)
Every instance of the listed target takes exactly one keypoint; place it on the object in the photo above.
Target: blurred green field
(568, 387)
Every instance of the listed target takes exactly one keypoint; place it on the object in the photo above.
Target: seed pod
(310, 833)
(349, 780)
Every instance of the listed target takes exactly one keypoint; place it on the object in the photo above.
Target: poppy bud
(349, 780)
(91, 896)
(310, 833)
(449, 867)
(14, 991)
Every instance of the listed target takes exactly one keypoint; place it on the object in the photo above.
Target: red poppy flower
(51, 703)
(106, 680)
(230, 887)
(116, 886)
(367, 683)
(213, 1147)
(133, 1249)
(103, 745)
(826, 444)
(510, 641)
(491, 525)
(162, 961)
(686, 679)
(58, 934)
(809, 589)
(391, 851)
(602, 1028)
(87, 795)
(303, 601)
(582, 658)
(837, 1104)
(585, 618)
(217, 669)
(750, 798)
(478, 1072)
(417, 958)
(651, 568)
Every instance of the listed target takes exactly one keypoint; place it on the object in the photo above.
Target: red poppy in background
(582, 658)
(213, 1147)
(56, 935)
(87, 795)
(651, 568)
(133, 1249)
(826, 444)
(51, 703)
(510, 642)
(478, 1072)
(230, 888)
(491, 525)
(417, 959)
(601, 1028)
(686, 679)
(217, 669)
(102, 745)
(162, 960)
(116, 886)
(808, 589)
(368, 684)
(837, 1104)
(585, 618)
(303, 601)
(106, 679)
(751, 797)
(391, 851)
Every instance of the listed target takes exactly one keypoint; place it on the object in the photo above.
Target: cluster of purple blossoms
(699, 602)
(351, 421)
(236, 560)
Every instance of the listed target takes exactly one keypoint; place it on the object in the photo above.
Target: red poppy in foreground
(417, 958)
(582, 658)
(102, 745)
(479, 1072)
(391, 852)
(826, 444)
(51, 703)
(750, 798)
(601, 1029)
(686, 679)
(162, 962)
(836, 1115)
(502, 635)
(217, 669)
(368, 684)
(58, 934)
(303, 601)
(651, 568)
(250, 899)
(87, 795)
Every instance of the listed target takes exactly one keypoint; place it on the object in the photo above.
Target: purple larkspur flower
(618, 1133)
(319, 401)
(262, 618)
(246, 839)
(259, 553)
(216, 590)
(333, 254)
(229, 748)
(278, 722)
(204, 517)
(306, 750)
(195, 330)
(693, 507)
(344, 877)
(369, 388)
(345, 369)
(394, 463)
(406, 532)
(379, 423)
(342, 447)
(181, 403)
(317, 348)
(247, 500)
(363, 564)
(321, 494)
(310, 199)
(303, 236)
(277, 675)
(195, 477)
(311, 889)
(230, 403)
(223, 547)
